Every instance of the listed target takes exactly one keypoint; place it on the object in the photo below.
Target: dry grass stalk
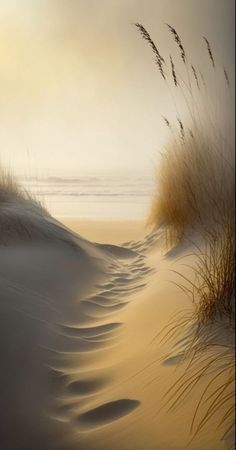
(173, 71)
(202, 78)
(158, 58)
(181, 127)
(208, 367)
(195, 76)
(205, 352)
(209, 51)
(167, 122)
(226, 77)
(178, 41)
(215, 275)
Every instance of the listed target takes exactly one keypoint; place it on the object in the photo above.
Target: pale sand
(84, 370)
(113, 231)
(133, 370)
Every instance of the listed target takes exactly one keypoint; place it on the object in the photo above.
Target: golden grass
(215, 275)
(195, 184)
(208, 356)
(195, 201)
(195, 195)
(195, 187)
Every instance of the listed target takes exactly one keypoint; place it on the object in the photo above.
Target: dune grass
(10, 190)
(24, 219)
(196, 180)
(195, 188)
(17, 208)
(195, 203)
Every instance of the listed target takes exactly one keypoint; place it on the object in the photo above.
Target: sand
(85, 368)
(138, 368)
(104, 231)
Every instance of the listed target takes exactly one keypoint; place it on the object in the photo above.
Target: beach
(118, 231)
(93, 197)
(117, 225)
(96, 328)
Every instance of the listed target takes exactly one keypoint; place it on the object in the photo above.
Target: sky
(79, 91)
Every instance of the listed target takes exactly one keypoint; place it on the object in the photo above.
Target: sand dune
(81, 367)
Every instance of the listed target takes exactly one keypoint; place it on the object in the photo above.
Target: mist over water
(93, 197)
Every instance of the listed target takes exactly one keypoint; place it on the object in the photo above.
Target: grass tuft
(195, 202)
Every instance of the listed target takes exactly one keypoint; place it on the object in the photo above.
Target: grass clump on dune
(11, 192)
(196, 179)
(195, 203)
(195, 198)
(23, 218)
(18, 210)
(195, 188)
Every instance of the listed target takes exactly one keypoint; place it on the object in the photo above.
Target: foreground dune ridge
(80, 362)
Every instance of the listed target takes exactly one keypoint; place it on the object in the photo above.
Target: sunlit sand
(86, 368)
(117, 225)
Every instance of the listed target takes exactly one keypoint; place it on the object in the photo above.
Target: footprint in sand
(86, 386)
(119, 252)
(106, 413)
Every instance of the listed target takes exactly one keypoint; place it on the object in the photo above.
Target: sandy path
(85, 319)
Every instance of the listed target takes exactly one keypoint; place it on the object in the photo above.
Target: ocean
(93, 197)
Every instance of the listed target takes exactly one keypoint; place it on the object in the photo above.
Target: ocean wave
(91, 194)
(78, 197)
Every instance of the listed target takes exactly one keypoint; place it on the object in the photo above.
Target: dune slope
(81, 366)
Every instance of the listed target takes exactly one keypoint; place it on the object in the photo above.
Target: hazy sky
(79, 92)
